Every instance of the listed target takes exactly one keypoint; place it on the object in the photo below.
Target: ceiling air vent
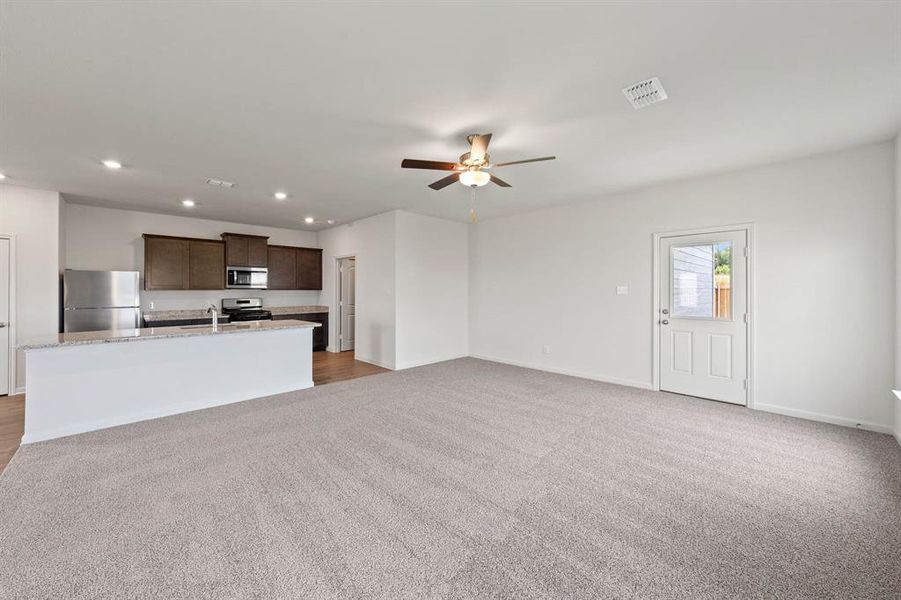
(220, 183)
(644, 93)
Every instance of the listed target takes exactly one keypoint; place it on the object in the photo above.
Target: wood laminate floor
(328, 367)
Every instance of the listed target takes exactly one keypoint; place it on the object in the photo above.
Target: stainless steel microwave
(255, 278)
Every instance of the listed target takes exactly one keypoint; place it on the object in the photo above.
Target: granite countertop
(157, 333)
(200, 313)
(296, 310)
(177, 315)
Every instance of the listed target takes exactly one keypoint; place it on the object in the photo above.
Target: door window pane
(701, 281)
(722, 280)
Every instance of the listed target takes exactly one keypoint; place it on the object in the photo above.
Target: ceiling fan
(472, 168)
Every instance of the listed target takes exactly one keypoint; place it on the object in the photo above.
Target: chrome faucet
(212, 310)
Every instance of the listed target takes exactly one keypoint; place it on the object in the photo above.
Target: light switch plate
(622, 290)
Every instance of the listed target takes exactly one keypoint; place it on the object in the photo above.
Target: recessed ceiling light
(280, 195)
(2, 176)
(112, 164)
(188, 203)
(331, 221)
(309, 220)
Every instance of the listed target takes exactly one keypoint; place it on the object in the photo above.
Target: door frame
(748, 228)
(338, 316)
(13, 365)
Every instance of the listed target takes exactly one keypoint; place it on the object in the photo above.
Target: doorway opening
(347, 273)
(702, 313)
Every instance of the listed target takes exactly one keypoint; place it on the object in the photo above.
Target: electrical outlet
(151, 305)
(546, 349)
(622, 290)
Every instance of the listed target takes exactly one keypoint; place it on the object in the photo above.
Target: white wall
(110, 239)
(824, 264)
(372, 241)
(34, 217)
(432, 289)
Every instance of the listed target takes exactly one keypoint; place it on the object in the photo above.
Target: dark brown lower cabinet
(320, 334)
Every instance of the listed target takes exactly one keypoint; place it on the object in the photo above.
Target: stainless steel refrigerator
(100, 300)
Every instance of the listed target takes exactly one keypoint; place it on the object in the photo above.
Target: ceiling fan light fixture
(474, 178)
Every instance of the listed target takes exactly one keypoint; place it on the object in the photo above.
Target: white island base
(79, 386)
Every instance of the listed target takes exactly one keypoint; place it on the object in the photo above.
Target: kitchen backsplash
(175, 300)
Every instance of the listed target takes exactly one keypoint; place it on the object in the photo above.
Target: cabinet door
(282, 268)
(207, 265)
(236, 251)
(309, 269)
(320, 334)
(257, 254)
(166, 264)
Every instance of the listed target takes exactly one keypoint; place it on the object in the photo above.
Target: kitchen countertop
(155, 333)
(295, 310)
(200, 313)
(177, 315)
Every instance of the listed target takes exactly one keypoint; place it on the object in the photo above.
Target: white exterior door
(703, 321)
(347, 268)
(4, 316)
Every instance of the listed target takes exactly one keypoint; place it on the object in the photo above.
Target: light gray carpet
(465, 479)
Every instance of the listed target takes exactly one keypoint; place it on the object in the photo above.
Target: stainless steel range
(245, 309)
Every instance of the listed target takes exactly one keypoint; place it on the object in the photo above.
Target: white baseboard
(812, 416)
(603, 378)
(790, 412)
(372, 361)
(428, 361)
(19, 390)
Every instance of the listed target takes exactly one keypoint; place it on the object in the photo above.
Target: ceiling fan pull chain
(472, 205)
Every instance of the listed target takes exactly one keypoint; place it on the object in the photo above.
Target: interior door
(703, 322)
(347, 310)
(4, 316)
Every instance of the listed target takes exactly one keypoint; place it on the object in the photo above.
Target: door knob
(664, 322)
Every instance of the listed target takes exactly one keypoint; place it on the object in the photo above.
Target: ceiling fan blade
(435, 165)
(443, 183)
(500, 181)
(519, 162)
(479, 147)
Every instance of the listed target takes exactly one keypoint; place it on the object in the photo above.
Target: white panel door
(347, 303)
(703, 321)
(4, 316)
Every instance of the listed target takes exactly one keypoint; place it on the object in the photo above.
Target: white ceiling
(324, 101)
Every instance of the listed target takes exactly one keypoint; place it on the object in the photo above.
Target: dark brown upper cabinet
(207, 265)
(166, 263)
(292, 268)
(309, 269)
(282, 268)
(242, 250)
(177, 263)
(174, 263)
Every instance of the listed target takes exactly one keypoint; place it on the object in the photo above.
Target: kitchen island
(78, 382)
